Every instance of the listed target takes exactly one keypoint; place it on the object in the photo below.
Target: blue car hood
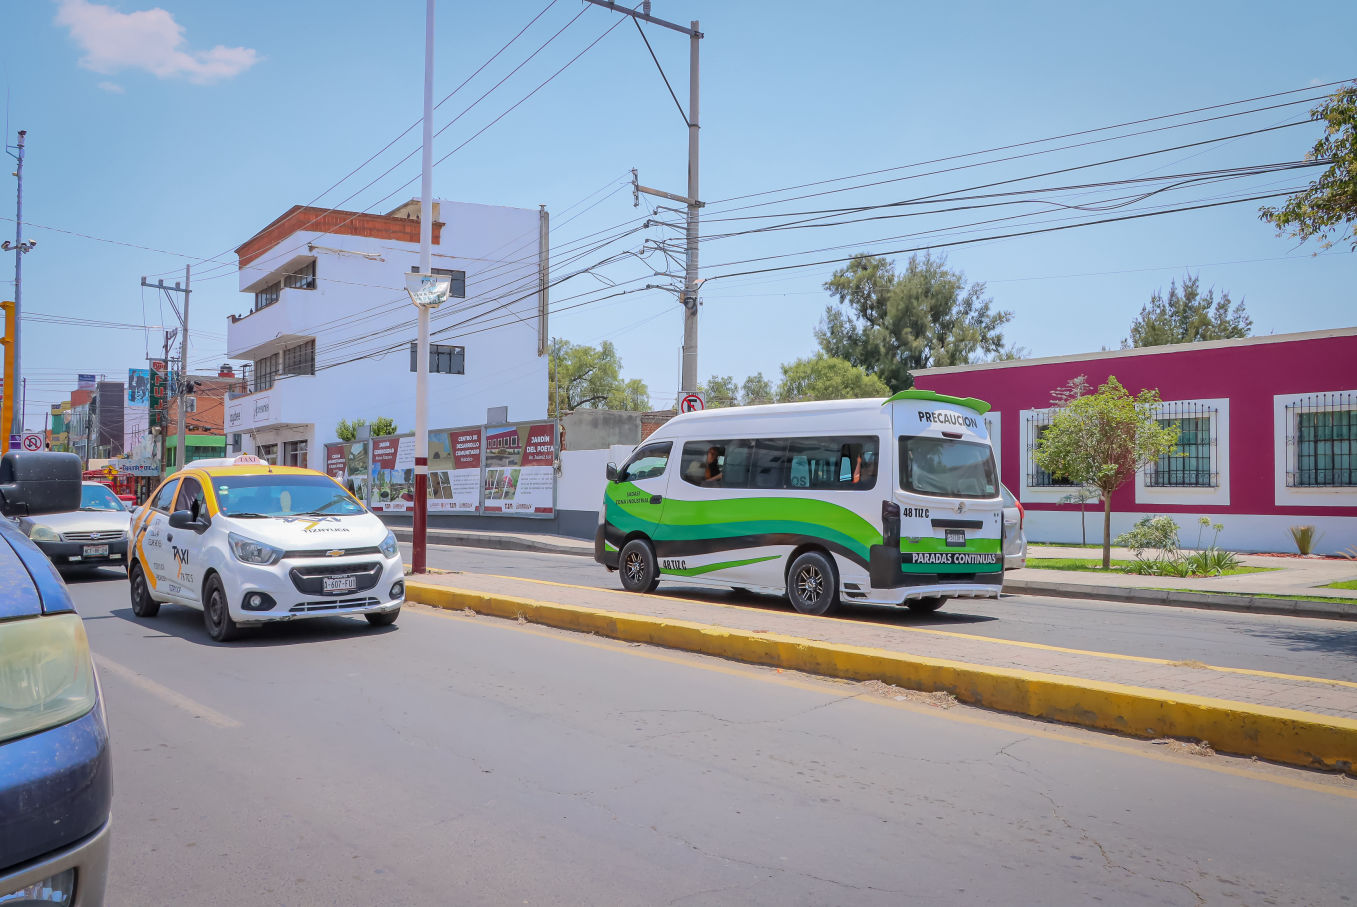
(29, 584)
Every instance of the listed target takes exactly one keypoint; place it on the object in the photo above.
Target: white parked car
(248, 543)
(93, 535)
(1015, 540)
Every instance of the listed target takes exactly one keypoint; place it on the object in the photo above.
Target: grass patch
(1096, 566)
(1064, 544)
(1342, 584)
(1304, 598)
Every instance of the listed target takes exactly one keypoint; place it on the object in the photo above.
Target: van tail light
(890, 523)
(1022, 513)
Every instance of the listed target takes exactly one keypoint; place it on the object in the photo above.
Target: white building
(330, 331)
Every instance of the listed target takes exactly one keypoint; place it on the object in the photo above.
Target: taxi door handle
(168, 537)
(657, 499)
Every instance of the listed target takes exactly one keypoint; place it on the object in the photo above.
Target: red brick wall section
(324, 220)
(651, 421)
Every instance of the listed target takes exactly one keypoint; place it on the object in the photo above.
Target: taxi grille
(333, 605)
(310, 578)
(332, 552)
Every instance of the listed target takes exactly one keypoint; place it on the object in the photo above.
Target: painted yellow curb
(1281, 735)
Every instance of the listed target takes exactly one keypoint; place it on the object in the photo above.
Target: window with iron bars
(302, 278)
(300, 359)
(265, 370)
(267, 296)
(1321, 441)
(1037, 424)
(1192, 462)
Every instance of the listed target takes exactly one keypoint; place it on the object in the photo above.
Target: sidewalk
(1297, 720)
(1287, 577)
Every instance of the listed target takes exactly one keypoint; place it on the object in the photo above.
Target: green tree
(1188, 317)
(756, 390)
(587, 377)
(892, 324)
(827, 378)
(1327, 208)
(719, 391)
(382, 427)
(1101, 439)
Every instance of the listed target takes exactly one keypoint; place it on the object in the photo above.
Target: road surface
(453, 759)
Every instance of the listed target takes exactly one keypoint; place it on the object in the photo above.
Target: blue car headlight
(46, 676)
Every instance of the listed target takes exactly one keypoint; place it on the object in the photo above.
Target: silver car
(1015, 540)
(92, 536)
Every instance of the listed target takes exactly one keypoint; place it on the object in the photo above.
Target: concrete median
(1287, 736)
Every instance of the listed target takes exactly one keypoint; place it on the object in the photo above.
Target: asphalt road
(1286, 645)
(467, 760)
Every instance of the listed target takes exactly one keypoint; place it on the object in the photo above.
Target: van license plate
(96, 551)
(339, 583)
(956, 538)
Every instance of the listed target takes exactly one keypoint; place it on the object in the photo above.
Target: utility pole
(693, 205)
(183, 352)
(16, 426)
(424, 301)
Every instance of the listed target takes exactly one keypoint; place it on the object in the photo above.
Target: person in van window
(712, 475)
(864, 472)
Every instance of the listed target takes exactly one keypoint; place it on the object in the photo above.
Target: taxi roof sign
(249, 460)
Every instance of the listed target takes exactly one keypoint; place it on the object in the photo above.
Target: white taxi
(248, 543)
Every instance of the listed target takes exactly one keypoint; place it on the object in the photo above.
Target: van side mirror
(36, 483)
(611, 472)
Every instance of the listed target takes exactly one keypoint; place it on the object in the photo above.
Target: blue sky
(179, 131)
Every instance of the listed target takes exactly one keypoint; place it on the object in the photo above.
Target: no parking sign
(33, 442)
(690, 403)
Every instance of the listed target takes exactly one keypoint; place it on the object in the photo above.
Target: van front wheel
(813, 584)
(640, 572)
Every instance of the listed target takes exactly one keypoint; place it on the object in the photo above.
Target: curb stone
(1280, 735)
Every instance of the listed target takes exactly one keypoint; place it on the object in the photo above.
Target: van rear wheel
(639, 569)
(926, 605)
(813, 584)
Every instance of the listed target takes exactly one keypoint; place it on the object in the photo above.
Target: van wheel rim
(636, 567)
(810, 584)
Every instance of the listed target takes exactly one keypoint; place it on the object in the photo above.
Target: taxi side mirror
(183, 519)
(611, 472)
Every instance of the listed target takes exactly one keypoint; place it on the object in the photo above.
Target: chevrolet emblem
(338, 552)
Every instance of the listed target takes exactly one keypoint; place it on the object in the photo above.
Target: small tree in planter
(1081, 496)
(1102, 439)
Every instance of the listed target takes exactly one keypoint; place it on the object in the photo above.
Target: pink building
(1268, 436)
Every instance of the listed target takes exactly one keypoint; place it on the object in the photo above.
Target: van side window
(705, 464)
(770, 464)
(163, 497)
(832, 463)
(646, 463)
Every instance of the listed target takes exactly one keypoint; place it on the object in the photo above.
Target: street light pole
(16, 427)
(418, 557)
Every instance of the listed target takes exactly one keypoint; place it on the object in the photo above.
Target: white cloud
(111, 87)
(148, 39)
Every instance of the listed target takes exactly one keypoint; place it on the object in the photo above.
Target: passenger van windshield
(282, 495)
(941, 466)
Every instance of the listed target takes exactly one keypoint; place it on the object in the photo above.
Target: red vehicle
(124, 486)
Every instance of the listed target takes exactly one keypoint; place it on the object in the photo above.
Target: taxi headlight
(248, 551)
(44, 534)
(389, 546)
(46, 677)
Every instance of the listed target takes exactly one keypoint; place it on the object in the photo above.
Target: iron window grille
(265, 370)
(1193, 461)
(1037, 424)
(304, 278)
(300, 359)
(443, 359)
(267, 296)
(1321, 441)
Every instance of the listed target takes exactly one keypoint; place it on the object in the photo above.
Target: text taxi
(249, 543)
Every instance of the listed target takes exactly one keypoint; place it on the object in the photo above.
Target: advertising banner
(336, 456)
(157, 393)
(455, 470)
(355, 469)
(86, 382)
(519, 469)
(393, 473)
(138, 388)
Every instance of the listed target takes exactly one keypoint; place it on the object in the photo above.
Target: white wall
(360, 305)
(580, 485)
(1242, 532)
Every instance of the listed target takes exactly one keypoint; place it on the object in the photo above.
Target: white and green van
(877, 501)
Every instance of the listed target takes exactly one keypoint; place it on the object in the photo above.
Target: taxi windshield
(282, 495)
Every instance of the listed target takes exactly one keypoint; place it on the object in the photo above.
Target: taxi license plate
(338, 583)
(956, 537)
(96, 551)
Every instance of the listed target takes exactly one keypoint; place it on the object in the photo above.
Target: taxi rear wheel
(216, 615)
(142, 603)
(383, 618)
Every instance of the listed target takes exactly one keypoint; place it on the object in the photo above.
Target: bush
(1159, 534)
(1305, 537)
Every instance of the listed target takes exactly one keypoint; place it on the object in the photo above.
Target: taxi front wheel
(216, 615)
(383, 618)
